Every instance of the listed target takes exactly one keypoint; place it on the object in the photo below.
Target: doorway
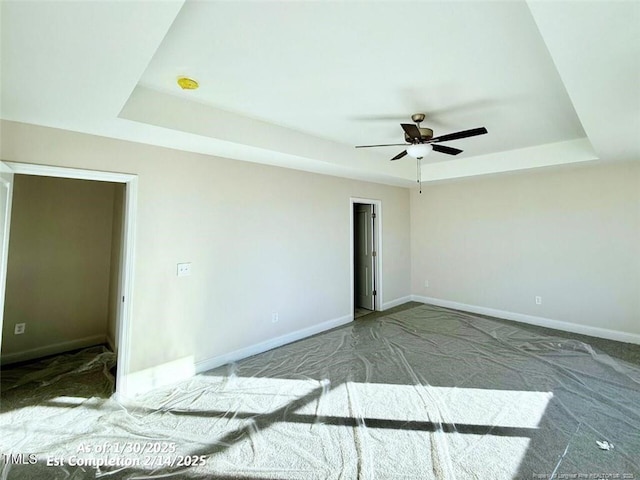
(365, 256)
(121, 283)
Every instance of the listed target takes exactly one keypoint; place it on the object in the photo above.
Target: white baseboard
(52, 349)
(213, 362)
(395, 303)
(162, 375)
(169, 373)
(533, 320)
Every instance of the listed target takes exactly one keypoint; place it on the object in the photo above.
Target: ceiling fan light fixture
(419, 150)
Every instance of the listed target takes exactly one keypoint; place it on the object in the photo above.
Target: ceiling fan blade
(464, 134)
(383, 145)
(400, 155)
(411, 130)
(445, 149)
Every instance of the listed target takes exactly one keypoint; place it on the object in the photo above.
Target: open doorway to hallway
(365, 254)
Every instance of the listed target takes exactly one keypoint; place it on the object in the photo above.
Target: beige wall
(261, 239)
(59, 262)
(264, 239)
(570, 235)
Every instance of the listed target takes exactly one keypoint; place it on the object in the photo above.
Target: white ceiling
(299, 84)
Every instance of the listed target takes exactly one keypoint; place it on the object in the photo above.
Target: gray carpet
(420, 393)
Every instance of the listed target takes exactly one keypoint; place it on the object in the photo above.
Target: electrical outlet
(184, 269)
(19, 328)
(538, 300)
(426, 284)
(274, 318)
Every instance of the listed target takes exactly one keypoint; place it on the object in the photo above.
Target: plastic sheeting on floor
(419, 394)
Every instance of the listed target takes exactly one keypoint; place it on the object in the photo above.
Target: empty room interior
(320, 240)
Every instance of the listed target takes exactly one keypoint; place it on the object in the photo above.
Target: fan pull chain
(419, 172)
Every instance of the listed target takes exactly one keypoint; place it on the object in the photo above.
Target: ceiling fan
(421, 140)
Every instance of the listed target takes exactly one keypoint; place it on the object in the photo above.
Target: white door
(364, 256)
(6, 191)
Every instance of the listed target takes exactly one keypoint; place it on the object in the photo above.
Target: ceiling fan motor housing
(425, 134)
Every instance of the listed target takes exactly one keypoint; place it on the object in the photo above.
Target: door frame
(125, 281)
(377, 245)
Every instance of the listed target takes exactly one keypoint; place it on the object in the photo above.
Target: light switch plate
(184, 269)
